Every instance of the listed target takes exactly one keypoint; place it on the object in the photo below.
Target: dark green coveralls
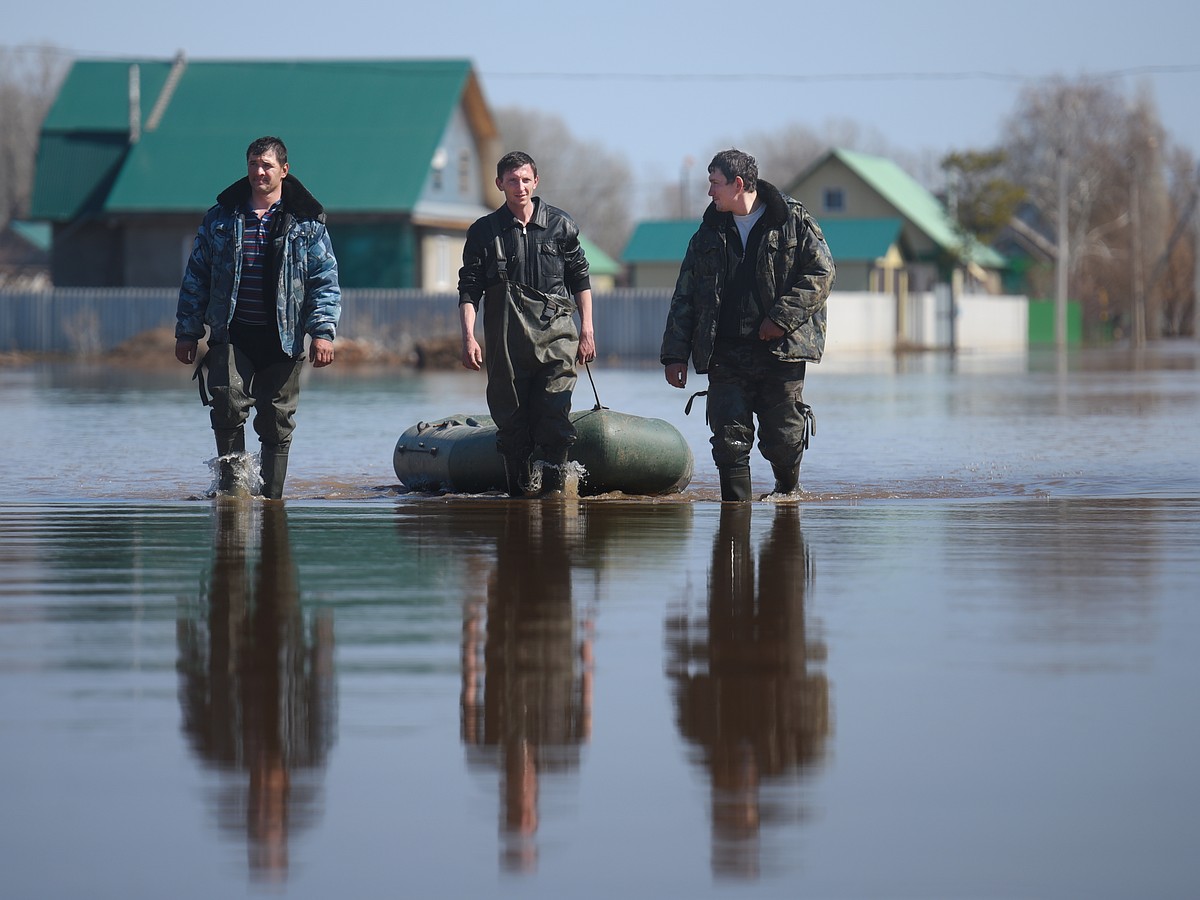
(527, 276)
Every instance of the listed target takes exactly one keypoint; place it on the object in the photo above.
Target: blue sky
(661, 80)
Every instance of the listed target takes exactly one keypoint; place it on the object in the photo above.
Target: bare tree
(1119, 211)
(579, 176)
(783, 155)
(1174, 271)
(29, 80)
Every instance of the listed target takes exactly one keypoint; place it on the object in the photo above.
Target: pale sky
(663, 80)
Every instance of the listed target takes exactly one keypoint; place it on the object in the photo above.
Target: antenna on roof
(135, 104)
(168, 90)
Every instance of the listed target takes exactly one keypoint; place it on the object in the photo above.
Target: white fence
(629, 323)
(866, 324)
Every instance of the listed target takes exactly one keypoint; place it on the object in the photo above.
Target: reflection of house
(844, 187)
(132, 153)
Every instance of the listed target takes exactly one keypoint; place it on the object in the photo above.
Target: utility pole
(1062, 264)
(1139, 281)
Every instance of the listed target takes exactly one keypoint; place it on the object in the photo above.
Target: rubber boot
(274, 459)
(735, 483)
(230, 441)
(787, 479)
(554, 475)
(516, 476)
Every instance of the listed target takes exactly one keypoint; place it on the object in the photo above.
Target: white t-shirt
(746, 223)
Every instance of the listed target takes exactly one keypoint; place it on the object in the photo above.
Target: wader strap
(687, 410)
(810, 423)
(198, 377)
(500, 261)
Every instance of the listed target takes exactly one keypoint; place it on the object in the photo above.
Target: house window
(438, 164)
(833, 200)
(464, 172)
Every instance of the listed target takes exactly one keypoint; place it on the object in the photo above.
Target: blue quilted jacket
(308, 299)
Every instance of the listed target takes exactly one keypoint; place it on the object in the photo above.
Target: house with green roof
(132, 153)
(655, 250)
(867, 252)
(849, 191)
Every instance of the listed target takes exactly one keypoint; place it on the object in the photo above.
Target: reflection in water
(526, 674)
(256, 685)
(743, 687)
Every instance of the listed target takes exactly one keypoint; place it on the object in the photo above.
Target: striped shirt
(251, 307)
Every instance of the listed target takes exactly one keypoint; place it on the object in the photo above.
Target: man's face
(722, 192)
(265, 173)
(518, 185)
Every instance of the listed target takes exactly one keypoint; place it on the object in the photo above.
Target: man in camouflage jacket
(749, 311)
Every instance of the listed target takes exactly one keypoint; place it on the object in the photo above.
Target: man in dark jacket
(524, 261)
(262, 274)
(749, 310)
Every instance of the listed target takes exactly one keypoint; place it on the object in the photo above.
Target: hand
(320, 352)
(587, 347)
(185, 351)
(472, 355)
(677, 375)
(769, 331)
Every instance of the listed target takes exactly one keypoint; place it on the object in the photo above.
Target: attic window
(833, 200)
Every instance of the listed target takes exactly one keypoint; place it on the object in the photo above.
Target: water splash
(247, 475)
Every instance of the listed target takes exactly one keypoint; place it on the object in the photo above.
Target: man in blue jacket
(749, 311)
(261, 276)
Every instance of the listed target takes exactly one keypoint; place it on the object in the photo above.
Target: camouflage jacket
(308, 299)
(794, 272)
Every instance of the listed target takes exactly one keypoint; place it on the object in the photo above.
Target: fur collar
(296, 198)
(775, 214)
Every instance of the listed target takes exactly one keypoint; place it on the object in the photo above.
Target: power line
(812, 77)
(1108, 75)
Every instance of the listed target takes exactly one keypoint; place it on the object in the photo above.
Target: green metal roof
(360, 134)
(661, 240)
(914, 203)
(75, 172)
(36, 234)
(860, 240)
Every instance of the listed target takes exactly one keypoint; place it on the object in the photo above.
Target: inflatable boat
(616, 451)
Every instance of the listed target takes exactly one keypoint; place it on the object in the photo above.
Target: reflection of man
(257, 684)
(526, 679)
(745, 694)
(749, 309)
(524, 261)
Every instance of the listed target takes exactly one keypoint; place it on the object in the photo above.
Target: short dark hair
(737, 164)
(514, 160)
(267, 144)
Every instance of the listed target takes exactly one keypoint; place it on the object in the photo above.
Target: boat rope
(594, 391)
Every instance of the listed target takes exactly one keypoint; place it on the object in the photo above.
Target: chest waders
(531, 341)
(245, 378)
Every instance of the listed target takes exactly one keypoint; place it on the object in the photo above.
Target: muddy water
(962, 666)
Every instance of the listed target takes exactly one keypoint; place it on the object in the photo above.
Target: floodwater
(963, 666)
